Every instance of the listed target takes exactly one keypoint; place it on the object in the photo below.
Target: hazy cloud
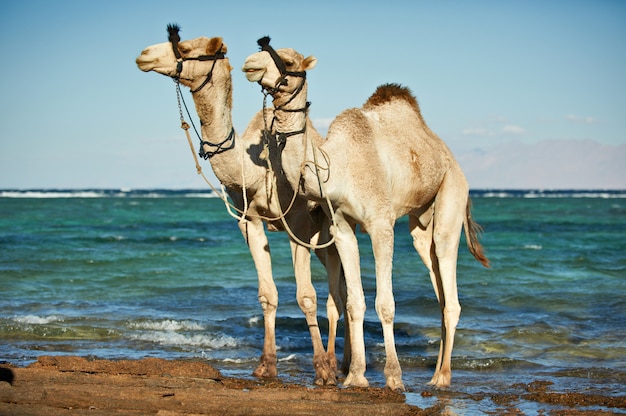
(548, 164)
(477, 131)
(513, 129)
(585, 120)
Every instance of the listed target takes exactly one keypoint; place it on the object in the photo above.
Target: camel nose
(144, 62)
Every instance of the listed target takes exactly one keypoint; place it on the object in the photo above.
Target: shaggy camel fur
(378, 163)
(240, 168)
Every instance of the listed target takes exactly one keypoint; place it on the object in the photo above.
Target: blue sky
(527, 94)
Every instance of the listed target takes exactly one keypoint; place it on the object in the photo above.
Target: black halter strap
(280, 138)
(229, 142)
(264, 43)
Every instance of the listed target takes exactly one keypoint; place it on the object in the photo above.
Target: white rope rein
(303, 165)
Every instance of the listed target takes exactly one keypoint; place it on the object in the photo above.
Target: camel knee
(355, 311)
(332, 310)
(307, 303)
(267, 305)
(386, 312)
(451, 315)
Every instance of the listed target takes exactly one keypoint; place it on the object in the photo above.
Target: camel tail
(472, 231)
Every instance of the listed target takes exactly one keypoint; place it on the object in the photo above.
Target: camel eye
(184, 48)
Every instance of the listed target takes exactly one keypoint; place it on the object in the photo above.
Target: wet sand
(76, 386)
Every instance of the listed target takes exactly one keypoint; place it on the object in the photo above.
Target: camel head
(193, 62)
(277, 69)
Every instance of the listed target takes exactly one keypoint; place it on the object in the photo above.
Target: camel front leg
(382, 244)
(307, 300)
(335, 305)
(255, 237)
(348, 249)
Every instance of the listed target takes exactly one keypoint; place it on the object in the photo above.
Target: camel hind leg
(436, 233)
(421, 229)
(382, 235)
(448, 218)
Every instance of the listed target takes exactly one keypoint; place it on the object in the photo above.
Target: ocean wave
(229, 360)
(207, 193)
(37, 320)
(553, 193)
(167, 325)
(106, 193)
(290, 357)
(171, 338)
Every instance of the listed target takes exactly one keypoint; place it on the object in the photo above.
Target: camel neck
(214, 108)
(292, 117)
(291, 111)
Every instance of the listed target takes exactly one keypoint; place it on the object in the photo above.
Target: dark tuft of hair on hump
(388, 92)
(264, 41)
(172, 30)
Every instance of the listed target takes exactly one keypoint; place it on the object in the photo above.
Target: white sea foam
(533, 247)
(539, 193)
(210, 341)
(37, 320)
(192, 193)
(237, 360)
(167, 325)
(104, 193)
(290, 357)
(51, 194)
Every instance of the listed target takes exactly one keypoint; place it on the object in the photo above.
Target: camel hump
(387, 92)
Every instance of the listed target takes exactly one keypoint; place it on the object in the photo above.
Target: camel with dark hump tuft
(378, 163)
(238, 162)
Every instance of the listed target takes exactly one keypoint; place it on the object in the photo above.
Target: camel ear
(214, 46)
(309, 63)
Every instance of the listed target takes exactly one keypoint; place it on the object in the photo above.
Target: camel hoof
(263, 371)
(396, 385)
(325, 382)
(324, 374)
(356, 381)
(440, 380)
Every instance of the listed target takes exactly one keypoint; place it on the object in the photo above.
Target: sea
(129, 274)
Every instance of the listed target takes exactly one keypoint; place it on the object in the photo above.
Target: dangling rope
(304, 163)
(233, 211)
(222, 195)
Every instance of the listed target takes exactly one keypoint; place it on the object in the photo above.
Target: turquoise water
(131, 274)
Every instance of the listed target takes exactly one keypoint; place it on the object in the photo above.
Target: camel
(378, 163)
(237, 161)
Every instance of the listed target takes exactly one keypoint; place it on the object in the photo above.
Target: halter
(281, 137)
(174, 39)
(229, 141)
(264, 43)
